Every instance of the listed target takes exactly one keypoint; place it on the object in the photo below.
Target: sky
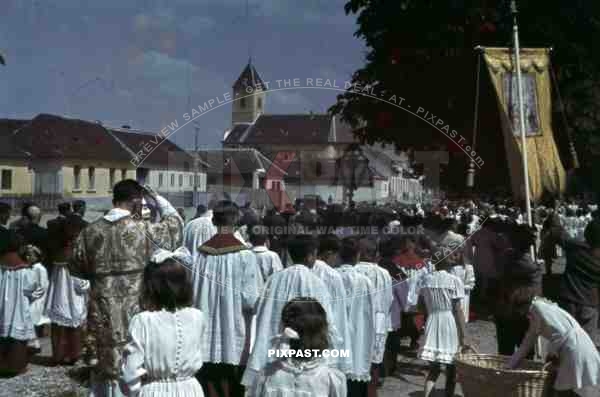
(144, 63)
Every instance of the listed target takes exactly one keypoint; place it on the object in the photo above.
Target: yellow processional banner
(546, 172)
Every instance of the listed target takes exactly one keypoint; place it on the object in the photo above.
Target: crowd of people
(214, 306)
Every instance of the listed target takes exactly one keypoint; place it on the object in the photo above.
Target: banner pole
(513, 9)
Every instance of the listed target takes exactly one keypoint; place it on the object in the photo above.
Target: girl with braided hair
(304, 323)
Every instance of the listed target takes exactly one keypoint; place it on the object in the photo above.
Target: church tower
(248, 96)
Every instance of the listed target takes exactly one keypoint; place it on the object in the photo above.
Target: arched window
(319, 168)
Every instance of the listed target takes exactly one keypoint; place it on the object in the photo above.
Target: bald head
(34, 214)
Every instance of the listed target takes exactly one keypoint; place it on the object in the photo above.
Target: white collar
(260, 248)
(116, 214)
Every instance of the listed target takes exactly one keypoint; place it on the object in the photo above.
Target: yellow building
(53, 158)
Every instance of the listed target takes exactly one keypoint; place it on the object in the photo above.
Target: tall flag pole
(514, 12)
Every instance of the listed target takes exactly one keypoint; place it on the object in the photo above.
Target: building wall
(102, 186)
(21, 178)
(169, 181)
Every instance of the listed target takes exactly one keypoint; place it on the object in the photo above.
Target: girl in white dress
(576, 358)
(304, 323)
(33, 255)
(164, 349)
(442, 294)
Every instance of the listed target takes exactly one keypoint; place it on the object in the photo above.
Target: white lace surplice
(292, 282)
(197, 232)
(268, 261)
(360, 307)
(66, 302)
(38, 305)
(439, 289)
(16, 289)
(382, 301)
(335, 285)
(287, 378)
(166, 347)
(226, 290)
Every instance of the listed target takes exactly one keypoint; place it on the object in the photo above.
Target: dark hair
(5, 208)
(201, 209)
(126, 190)
(521, 297)
(368, 249)
(300, 247)
(329, 243)
(522, 237)
(166, 286)
(25, 208)
(64, 208)
(13, 242)
(349, 250)
(225, 213)
(308, 318)
(78, 205)
(592, 233)
(258, 235)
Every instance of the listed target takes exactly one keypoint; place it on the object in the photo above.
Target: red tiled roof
(294, 129)
(48, 136)
(8, 149)
(164, 153)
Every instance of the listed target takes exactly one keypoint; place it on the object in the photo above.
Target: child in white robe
(304, 323)
(292, 282)
(268, 261)
(442, 294)
(361, 312)
(33, 255)
(577, 362)
(164, 349)
(17, 285)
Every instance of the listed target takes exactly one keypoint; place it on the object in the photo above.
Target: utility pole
(196, 162)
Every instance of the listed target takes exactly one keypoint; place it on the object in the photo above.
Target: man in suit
(22, 221)
(64, 210)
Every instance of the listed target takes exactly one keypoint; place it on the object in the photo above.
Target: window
(172, 179)
(186, 166)
(123, 174)
(180, 180)
(160, 179)
(91, 178)
(242, 103)
(111, 178)
(191, 180)
(197, 180)
(259, 103)
(6, 179)
(76, 177)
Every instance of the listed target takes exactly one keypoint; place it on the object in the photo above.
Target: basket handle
(466, 348)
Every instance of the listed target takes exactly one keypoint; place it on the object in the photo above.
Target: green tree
(422, 50)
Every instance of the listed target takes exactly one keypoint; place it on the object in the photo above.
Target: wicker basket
(482, 375)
